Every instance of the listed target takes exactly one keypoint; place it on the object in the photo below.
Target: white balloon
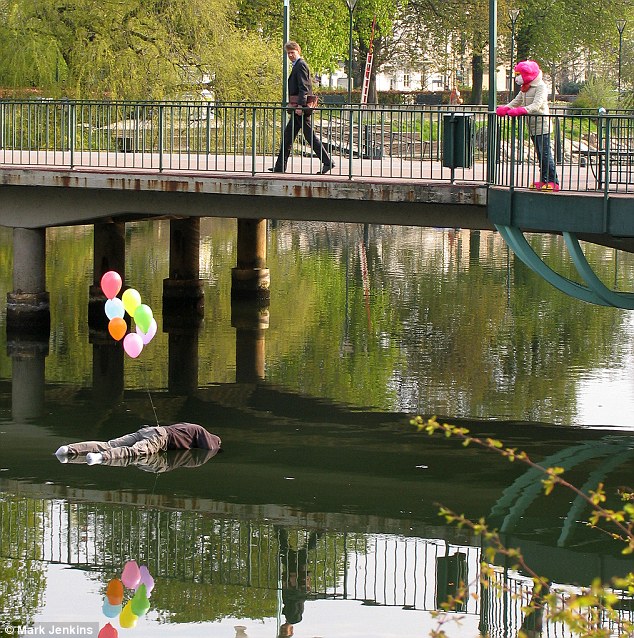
(114, 308)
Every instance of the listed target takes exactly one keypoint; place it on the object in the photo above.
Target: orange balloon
(114, 591)
(117, 328)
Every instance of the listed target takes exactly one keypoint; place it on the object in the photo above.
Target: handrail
(382, 142)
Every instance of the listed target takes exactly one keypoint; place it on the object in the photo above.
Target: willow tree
(133, 49)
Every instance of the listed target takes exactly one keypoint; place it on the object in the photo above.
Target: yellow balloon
(131, 300)
(127, 618)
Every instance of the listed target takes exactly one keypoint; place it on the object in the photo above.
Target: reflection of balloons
(143, 316)
(117, 328)
(131, 574)
(114, 308)
(147, 580)
(127, 618)
(131, 300)
(108, 631)
(114, 591)
(139, 603)
(132, 344)
(146, 337)
(110, 610)
(111, 284)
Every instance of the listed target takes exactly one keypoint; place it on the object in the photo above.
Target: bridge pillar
(251, 320)
(108, 254)
(28, 308)
(250, 279)
(182, 367)
(107, 368)
(183, 291)
(27, 378)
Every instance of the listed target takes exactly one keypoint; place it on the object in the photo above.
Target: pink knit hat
(528, 69)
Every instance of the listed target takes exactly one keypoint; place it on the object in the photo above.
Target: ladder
(366, 79)
(365, 89)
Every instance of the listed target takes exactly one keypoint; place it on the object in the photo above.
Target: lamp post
(351, 5)
(285, 37)
(513, 15)
(620, 25)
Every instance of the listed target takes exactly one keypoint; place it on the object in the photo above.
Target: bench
(332, 99)
(429, 99)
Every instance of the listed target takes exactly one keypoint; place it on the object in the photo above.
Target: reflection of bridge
(192, 553)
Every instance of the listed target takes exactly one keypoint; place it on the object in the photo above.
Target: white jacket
(535, 101)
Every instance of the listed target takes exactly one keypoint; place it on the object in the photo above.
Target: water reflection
(323, 484)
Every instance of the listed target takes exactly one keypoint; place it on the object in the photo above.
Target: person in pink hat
(532, 100)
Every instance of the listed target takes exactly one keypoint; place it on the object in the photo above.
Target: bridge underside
(50, 197)
(607, 221)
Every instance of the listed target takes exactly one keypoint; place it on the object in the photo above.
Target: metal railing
(592, 152)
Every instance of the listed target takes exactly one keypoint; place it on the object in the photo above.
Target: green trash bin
(457, 140)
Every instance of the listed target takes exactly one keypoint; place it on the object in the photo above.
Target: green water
(312, 397)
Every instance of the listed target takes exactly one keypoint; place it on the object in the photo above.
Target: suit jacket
(299, 83)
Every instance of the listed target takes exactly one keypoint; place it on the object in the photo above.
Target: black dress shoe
(275, 170)
(326, 168)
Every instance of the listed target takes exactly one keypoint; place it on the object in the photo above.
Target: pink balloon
(146, 337)
(133, 344)
(111, 284)
(131, 574)
(147, 580)
(108, 631)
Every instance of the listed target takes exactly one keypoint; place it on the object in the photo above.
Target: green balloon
(143, 317)
(140, 603)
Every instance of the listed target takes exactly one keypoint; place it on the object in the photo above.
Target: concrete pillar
(27, 378)
(183, 292)
(28, 308)
(251, 320)
(108, 254)
(107, 368)
(182, 367)
(250, 279)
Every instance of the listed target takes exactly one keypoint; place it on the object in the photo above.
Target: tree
(137, 49)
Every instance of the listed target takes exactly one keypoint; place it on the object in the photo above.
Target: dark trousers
(293, 127)
(545, 158)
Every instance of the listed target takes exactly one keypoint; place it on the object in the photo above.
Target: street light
(351, 5)
(620, 25)
(285, 36)
(513, 15)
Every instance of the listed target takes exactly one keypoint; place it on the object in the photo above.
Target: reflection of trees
(22, 575)
(441, 331)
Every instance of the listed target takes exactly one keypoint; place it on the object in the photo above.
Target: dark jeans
(293, 127)
(545, 158)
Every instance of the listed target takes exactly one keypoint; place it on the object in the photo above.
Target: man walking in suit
(299, 89)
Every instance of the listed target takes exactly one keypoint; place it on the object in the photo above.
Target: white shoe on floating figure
(62, 454)
(93, 458)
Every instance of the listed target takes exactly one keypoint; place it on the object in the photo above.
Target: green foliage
(596, 92)
(132, 50)
(585, 612)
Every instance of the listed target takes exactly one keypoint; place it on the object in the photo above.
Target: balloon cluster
(130, 302)
(141, 582)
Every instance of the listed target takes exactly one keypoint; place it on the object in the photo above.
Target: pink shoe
(550, 186)
(536, 186)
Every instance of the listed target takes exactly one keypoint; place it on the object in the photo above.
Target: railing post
(160, 135)
(253, 138)
(492, 147)
(72, 115)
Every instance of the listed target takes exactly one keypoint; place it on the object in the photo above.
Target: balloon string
(147, 387)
